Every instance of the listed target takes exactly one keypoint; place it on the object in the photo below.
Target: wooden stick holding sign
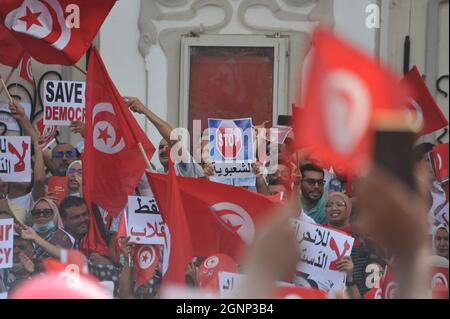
(147, 161)
(7, 78)
(6, 90)
(80, 69)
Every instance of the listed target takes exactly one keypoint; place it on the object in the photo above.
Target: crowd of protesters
(389, 228)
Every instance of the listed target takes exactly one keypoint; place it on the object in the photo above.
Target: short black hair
(421, 149)
(68, 202)
(311, 167)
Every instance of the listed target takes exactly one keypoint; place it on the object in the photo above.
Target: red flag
(146, 258)
(121, 233)
(221, 218)
(374, 293)
(428, 115)
(26, 70)
(112, 161)
(299, 293)
(179, 239)
(48, 29)
(10, 50)
(345, 90)
(440, 162)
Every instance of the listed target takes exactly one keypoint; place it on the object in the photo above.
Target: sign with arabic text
(320, 249)
(15, 158)
(144, 222)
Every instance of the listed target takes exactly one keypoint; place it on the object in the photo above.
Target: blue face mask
(43, 228)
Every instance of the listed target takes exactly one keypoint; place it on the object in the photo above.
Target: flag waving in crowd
(311, 212)
(54, 32)
(345, 91)
(114, 163)
(426, 116)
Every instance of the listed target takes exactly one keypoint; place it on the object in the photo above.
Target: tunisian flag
(427, 117)
(440, 162)
(112, 161)
(146, 259)
(47, 28)
(345, 89)
(221, 218)
(26, 70)
(10, 50)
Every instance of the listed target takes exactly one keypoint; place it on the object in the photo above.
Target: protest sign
(6, 242)
(47, 132)
(320, 248)
(144, 221)
(8, 120)
(15, 158)
(231, 150)
(64, 102)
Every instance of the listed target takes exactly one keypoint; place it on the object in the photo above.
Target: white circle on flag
(234, 218)
(146, 255)
(415, 117)
(211, 262)
(346, 109)
(105, 137)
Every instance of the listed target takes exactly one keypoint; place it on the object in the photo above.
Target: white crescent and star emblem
(235, 219)
(415, 117)
(211, 262)
(41, 19)
(106, 138)
(147, 256)
(346, 109)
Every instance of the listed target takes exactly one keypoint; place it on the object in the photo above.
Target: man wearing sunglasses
(62, 156)
(312, 192)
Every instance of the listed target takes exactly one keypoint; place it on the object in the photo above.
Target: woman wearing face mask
(75, 179)
(47, 223)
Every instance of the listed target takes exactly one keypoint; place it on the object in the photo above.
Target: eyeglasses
(338, 205)
(74, 171)
(42, 212)
(69, 154)
(312, 181)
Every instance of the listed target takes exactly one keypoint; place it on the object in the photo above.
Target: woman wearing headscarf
(338, 208)
(440, 241)
(47, 223)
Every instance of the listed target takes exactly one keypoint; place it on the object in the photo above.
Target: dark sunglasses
(74, 171)
(312, 181)
(42, 212)
(69, 154)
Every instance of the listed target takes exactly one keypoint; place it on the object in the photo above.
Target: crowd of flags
(347, 89)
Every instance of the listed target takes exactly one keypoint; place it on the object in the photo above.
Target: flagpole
(6, 89)
(80, 69)
(147, 161)
(8, 78)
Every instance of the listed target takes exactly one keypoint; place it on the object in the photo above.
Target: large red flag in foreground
(112, 161)
(221, 218)
(10, 50)
(173, 213)
(47, 29)
(428, 116)
(345, 89)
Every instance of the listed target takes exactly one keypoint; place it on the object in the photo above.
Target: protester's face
(75, 175)
(77, 220)
(312, 185)
(21, 246)
(282, 175)
(162, 152)
(336, 210)
(62, 156)
(441, 242)
(42, 213)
